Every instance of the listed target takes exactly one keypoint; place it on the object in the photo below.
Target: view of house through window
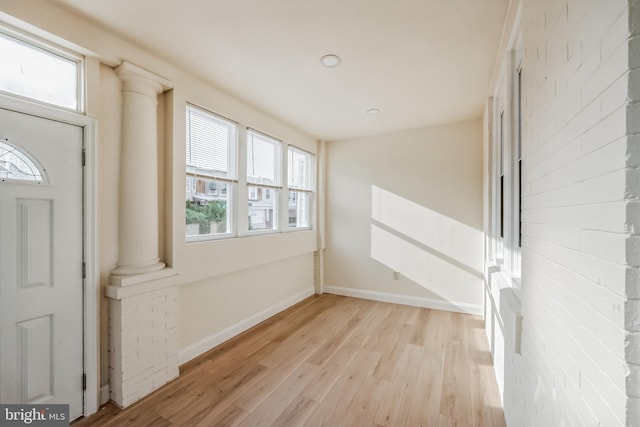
(300, 165)
(263, 179)
(278, 195)
(211, 176)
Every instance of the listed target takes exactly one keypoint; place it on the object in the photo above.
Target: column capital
(138, 79)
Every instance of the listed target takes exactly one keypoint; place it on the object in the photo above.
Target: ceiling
(421, 62)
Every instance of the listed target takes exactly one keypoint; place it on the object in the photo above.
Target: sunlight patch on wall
(448, 279)
(438, 232)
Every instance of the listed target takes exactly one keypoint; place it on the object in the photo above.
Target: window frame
(309, 190)
(276, 187)
(240, 188)
(516, 160)
(499, 175)
(55, 50)
(37, 173)
(231, 180)
(506, 178)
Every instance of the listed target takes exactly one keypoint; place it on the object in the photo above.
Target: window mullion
(242, 206)
(283, 202)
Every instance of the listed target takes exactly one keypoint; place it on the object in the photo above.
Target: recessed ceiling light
(330, 60)
(373, 112)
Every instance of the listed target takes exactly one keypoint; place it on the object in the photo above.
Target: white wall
(579, 358)
(220, 281)
(108, 155)
(214, 310)
(409, 202)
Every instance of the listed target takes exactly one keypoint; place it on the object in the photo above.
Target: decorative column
(143, 306)
(138, 228)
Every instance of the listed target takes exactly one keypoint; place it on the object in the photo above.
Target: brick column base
(143, 337)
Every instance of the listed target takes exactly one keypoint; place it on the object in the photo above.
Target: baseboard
(105, 394)
(206, 344)
(458, 307)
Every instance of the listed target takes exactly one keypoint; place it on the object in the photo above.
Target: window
(506, 133)
(15, 164)
(41, 73)
(253, 193)
(300, 165)
(501, 212)
(263, 177)
(279, 184)
(500, 189)
(506, 183)
(211, 174)
(518, 152)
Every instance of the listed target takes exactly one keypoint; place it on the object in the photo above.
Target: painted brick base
(142, 336)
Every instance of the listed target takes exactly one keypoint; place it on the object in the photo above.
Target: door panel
(34, 237)
(35, 355)
(41, 255)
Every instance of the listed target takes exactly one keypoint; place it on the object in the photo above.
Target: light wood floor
(333, 361)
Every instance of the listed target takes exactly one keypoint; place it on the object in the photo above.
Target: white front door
(41, 262)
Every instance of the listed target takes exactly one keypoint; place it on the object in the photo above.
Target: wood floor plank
(394, 347)
(388, 329)
(413, 314)
(324, 381)
(424, 410)
(335, 366)
(297, 413)
(332, 409)
(333, 361)
(295, 356)
(299, 341)
(394, 408)
(223, 407)
(338, 337)
(230, 416)
(438, 332)
(362, 333)
(484, 390)
(421, 322)
(273, 329)
(452, 422)
(276, 403)
(138, 418)
(456, 390)
(362, 409)
(212, 394)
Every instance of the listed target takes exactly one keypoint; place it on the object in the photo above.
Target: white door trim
(91, 346)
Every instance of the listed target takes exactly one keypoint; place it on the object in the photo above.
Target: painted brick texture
(143, 344)
(581, 232)
(632, 193)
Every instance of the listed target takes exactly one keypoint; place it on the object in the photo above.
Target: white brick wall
(580, 285)
(143, 343)
(632, 305)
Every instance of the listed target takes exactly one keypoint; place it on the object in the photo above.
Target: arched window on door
(15, 164)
